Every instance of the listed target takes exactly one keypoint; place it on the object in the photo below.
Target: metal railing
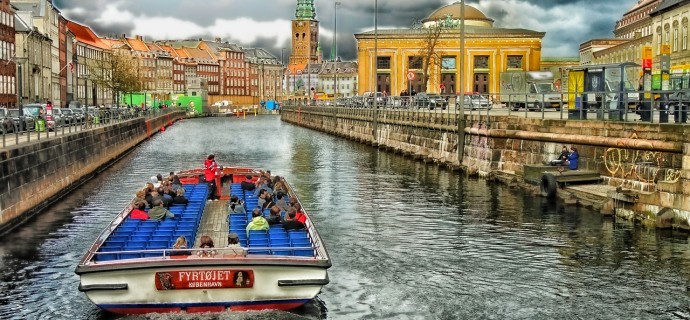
(11, 135)
(647, 106)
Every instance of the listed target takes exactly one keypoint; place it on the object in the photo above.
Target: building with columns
(488, 52)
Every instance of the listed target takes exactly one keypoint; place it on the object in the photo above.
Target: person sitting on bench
(562, 158)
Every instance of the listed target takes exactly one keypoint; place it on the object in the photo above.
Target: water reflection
(408, 240)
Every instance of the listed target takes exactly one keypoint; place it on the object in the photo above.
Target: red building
(64, 70)
(8, 68)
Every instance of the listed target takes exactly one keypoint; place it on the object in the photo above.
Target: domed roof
(453, 9)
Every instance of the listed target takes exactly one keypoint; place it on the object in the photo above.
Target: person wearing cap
(234, 245)
(210, 172)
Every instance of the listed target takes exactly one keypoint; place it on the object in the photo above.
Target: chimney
(138, 37)
(124, 35)
(219, 40)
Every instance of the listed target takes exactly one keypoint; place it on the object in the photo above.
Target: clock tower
(305, 34)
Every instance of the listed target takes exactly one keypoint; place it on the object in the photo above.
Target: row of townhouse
(45, 57)
(334, 79)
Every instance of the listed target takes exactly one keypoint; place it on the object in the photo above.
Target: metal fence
(645, 106)
(78, 123)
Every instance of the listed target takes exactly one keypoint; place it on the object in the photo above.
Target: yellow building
(488, 52)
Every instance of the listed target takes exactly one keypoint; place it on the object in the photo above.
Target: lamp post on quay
(335, 50)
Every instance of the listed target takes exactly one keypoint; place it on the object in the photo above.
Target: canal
(408, 240)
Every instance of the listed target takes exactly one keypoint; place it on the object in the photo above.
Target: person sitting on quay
(573, 158)
(248, 184)
(274, 217)
(291, 222)
(237, 205)
(180, 247)
(180, 198)
(138, 211)
(258, 221)
(234, 245)
(159, 212)
(562, 158)
(206, 243)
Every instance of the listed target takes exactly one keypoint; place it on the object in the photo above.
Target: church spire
(305, 10)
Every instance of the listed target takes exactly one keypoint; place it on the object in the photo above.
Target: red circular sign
(411, 75)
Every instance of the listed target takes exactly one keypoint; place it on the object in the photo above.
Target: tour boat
(131, 268)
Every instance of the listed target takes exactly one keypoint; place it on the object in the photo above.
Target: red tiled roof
(84, 34)
(137, 45)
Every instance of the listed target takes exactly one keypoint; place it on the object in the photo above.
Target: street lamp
(375, 67)
(460, 103)
(335, 49)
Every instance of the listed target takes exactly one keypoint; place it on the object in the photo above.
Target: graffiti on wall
(640, 165)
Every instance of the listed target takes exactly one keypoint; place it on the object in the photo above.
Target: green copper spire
(305, 10)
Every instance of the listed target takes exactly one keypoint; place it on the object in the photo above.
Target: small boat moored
(132, 267)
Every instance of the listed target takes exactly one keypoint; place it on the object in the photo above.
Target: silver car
(476, 101)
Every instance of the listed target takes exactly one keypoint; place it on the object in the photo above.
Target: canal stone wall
(649, 163)
(33, 175)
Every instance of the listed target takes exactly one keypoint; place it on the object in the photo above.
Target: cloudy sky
(266, 23)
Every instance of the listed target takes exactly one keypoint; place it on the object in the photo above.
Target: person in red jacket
(138, 212)
(210, 172)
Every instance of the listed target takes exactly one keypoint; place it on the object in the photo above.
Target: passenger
(237, 205)
(573, 158)
(149, 187)
(159, 177)
(139, 213)
(562, 158)
(171, 177)
(166, 196)
(141, 197)
(234, 245)
(151, 196)
(274, 217)
(281, 202)
(159, 212)
(300, 216)
(180, 247)
(210, 172)
(258, 221)
(180, 198)
(155, 183)
(248, 184)
(262, 185)
(291, 222)
(176, 184)
(206, 243)
(279, 185)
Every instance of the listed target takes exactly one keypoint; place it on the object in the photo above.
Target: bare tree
(427, 55)
(118, 72)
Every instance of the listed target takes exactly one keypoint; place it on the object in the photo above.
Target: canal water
(408, 240)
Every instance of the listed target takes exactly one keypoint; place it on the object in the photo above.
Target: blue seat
(160, 238)
(300, 242)
(127, 228)
(303, 252)
(258, 242)
(158, 244)
(258, 251)
(281, 252)
(118, 238)
(106, 256)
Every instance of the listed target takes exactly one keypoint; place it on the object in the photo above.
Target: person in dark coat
(562, 158)
(291, 222)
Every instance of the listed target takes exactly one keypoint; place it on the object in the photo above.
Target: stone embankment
(644, 167)
(33, 175)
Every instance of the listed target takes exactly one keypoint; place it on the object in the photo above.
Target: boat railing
(206, 252)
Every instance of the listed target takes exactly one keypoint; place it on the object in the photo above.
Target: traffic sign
(411, 75)
(647, 52)
(665, 49)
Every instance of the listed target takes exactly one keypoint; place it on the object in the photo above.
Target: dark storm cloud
(567, 23)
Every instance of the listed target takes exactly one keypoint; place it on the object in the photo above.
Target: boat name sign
(204, 279)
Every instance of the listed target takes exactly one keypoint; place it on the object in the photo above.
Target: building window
(514, 62)
(481, 62)
(448, 63)
(684, 37)
(415, 62)
(675, 38)
(383, 62)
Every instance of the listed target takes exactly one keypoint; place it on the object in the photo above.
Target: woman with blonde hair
(180, 247)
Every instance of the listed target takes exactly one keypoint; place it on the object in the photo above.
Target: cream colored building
(670, 25)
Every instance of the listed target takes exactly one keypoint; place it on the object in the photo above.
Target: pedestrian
(210, 172)
(573, 158)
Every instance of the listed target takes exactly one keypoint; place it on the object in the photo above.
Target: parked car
(63, 117)
(7, 121)
(29, 121)
(476, 101)
(370, 96)
(431, 101)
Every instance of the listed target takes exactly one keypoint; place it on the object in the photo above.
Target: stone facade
(648, 162)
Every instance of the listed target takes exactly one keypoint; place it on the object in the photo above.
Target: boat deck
(214, 223)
